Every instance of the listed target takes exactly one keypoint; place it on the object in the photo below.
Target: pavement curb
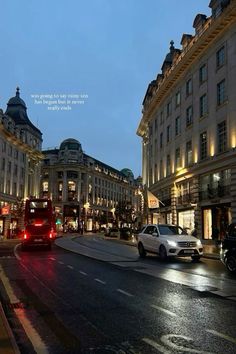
(6, 336)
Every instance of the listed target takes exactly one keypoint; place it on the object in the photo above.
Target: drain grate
(15, 305)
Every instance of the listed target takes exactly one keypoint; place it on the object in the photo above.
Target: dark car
(228, 249)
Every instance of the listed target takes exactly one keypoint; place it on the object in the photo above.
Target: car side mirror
(155, 234)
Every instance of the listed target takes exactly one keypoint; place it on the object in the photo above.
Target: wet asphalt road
(75, 304)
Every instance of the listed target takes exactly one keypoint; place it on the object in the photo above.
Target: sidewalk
(7, 341)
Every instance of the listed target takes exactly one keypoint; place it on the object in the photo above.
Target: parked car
(168, 241)
(228, 249)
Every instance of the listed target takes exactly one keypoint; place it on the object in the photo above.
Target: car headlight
(172, 243)
(199, 243)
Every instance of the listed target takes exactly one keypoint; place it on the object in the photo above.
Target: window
(161, 169)
(221, 92)
(177, 126)
(177, 99)
(168, 171)
(189, 153)
(202, 74)
(168, 109)
(168, 133)
(189, 116)
(4, 146)
(203, 105)
(16, 154)
(177, 158)
(203, 145)
(15, 170)
(220, 57)
(189, 87)
(45, 186)
(3, 164)
(222, 136)
(59, 174)
(9, 167)
(162, 118)
(161, 140)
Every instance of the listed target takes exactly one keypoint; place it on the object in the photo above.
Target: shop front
(218, 216)
(186, 220)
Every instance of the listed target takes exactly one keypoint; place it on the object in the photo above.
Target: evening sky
(105, 50)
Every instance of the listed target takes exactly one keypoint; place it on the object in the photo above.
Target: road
(107, 300)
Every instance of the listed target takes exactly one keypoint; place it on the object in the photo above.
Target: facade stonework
(188, 126)
(20, 157)
(87, 191)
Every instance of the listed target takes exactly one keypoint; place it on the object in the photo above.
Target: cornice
(212, 30)
(11, 138)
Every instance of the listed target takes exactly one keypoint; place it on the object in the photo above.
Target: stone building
(85, 190)
(188, 126)
(20, 156)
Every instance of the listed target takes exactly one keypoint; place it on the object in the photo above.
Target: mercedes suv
(168, 241)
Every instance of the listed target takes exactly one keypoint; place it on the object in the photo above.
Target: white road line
(164, 310)
(83, 273)
(69, 266)
(52, 258)
(15, 252)
(60, 262)
(34, 337)
(32, 334)
(100, 281)
(221, 335)
(124, 292)
(157, 346)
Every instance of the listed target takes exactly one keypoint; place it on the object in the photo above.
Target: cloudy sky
(83, 66)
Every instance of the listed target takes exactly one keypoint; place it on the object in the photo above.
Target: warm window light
(233, 141)
(212, 150)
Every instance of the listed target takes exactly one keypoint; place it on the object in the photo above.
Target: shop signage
(5, 210)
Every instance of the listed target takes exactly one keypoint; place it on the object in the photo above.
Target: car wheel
(141, 250)
(230, 263)
(163, 253)
(196, 258)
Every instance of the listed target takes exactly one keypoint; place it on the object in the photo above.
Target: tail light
(25, 235)
(50, 234)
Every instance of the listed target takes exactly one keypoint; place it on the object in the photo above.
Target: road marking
(69, 266)
(15, 252)
(100, 281)
(124, 292)
(60, 262)
(221, 335)
(167, 340)
(83, 273)
(52, 258)
(32, 334)
(157, 346)
(164, 310)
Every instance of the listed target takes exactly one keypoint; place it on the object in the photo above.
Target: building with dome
(84, 189)
(20, 156)
(188, 127)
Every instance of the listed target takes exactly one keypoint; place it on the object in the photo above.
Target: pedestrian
(215, 234)
(194, 232)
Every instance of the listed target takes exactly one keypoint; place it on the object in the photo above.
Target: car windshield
(171, 230)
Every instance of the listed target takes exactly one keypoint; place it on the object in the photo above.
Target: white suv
(168, 240)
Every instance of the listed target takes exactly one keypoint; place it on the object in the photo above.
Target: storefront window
(207, 224)
(186, 220)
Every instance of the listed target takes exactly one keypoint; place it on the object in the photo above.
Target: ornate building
(20, 156)
(86, 190)
(188, 126)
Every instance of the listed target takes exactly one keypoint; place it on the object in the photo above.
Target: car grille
(187, 244)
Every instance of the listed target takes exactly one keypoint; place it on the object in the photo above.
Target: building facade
(20, 156)
(87, 191)
(188, 126)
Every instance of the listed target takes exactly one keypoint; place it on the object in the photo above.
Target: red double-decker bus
(39, 223)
